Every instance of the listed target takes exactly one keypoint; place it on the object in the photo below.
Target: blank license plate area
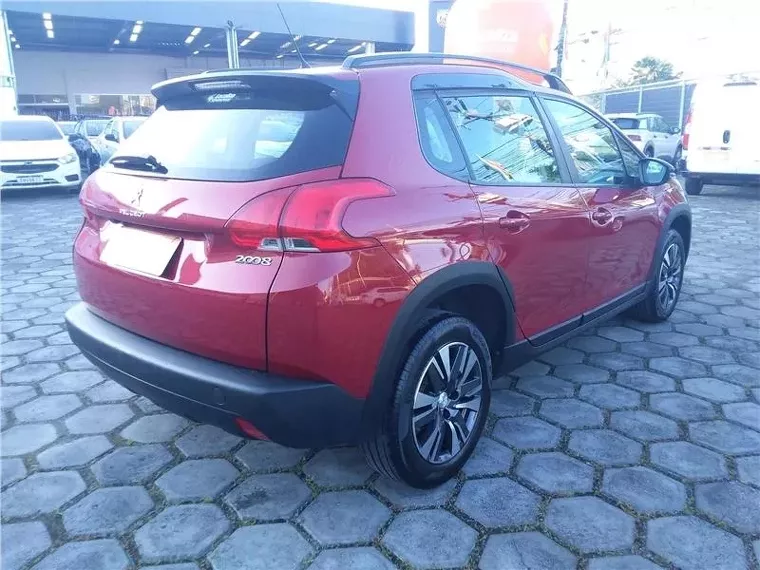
(138, 250)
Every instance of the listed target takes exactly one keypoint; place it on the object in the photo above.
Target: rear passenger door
(536, 223)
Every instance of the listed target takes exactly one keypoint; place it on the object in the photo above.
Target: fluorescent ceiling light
(297, 38)
(312, 44)
(254, 35)
(137, 29)
(116, 42)
(139, 22)
(189, 39)
(207, 45)
(356, 48)
(280, 56)
(286, 44)
(320, 47)
(47, 16)
(18, 46)
(196, 52)
(196, 31)
(50, 34)
(48, 24)
(245, 42)
(133, 38)
(331, 41)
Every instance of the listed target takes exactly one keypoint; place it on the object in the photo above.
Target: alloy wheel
(447, 402)
(669, 281)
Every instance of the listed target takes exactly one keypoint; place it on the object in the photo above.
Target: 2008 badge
(253, 260)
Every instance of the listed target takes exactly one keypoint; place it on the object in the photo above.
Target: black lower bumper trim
(292, 412)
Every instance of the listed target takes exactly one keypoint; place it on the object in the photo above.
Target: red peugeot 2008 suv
(349, 255)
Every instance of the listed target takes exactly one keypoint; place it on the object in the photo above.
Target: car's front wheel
(664, 292)
(439, 407)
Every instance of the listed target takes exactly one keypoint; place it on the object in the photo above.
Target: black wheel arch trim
(413, 312)
(677, 211)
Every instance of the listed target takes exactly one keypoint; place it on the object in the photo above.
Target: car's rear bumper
(292, 412)
(727, 178)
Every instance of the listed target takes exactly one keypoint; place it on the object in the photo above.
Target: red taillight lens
(636, 138)
(686, 131)
(313, 217)
(254, 226)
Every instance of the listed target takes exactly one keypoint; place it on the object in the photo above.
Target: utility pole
(562, 37)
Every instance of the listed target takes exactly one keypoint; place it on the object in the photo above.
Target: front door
(535, 222)
(624, 220)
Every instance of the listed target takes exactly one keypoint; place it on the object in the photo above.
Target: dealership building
(70, 58)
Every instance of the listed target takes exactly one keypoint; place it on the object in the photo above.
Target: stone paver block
(206, 440)
(562, 355)
(605, 447)
(261, 547)
(697, 329)
(88, 555)
(109, 391)
(11, 396)
(527, 433)
(682, 406)
(344, 466)
(268, 497)
(713, 389)
(27, 438)
(546, 387)
(610, 396)
(591, 344)
(31, 373)
(21, 542)
(616, 361)
(678, 367)
(107, 511)
(643, 425)
(725, 437)
(582, 373)
(556, 473)
(131, 465)
(646, 349)
(197, 479)
(99, 419)
(706, 354)
(70, 382)
(52, 353)
(262, 456)
(749, 469)
(621, 334)
(745, 413)
(731, 502)
(155, 429)
(498, 502)
(628, 562)
(358, 558)
(47, 408)
(181, 531)
(506, 403)
(525, 551)
(489, 458)
(12, 470)
(571, 413)
(645, 381)
(531, 368)
(674, 339)
(403, 496)
(738, 374)
(20, 347)
(344, 517)
(181, 566)
(41, 493)
(430, 539)
(645, 490)
(688, 460)
(590, 524)
(689, 542)
(75, 453)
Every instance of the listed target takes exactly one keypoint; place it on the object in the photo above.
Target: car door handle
(514, 222)
(602, 216)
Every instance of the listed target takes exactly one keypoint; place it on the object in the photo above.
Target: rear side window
(504, 139)
(628, 124)
(438, 142)
(94, 128)
(244, 136)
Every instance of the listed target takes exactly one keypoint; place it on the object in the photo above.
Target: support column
(369, 48)
(8, 105)
(641, 96)
(233, 57)
(681, 104)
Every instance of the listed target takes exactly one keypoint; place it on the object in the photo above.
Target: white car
(34, 153)
(116, 131)
(650, 133)
(721, 139)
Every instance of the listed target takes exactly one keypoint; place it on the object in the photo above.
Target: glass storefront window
(114, 105)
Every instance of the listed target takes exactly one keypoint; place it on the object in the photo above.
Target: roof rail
(362, 61)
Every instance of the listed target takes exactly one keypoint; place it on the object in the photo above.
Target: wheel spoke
(424, 417)
(470, 388)
(432, 446)
(445, 356)
(422, 400)
(471, 404)
(457, 440)
(470, 362)
(436, 376)
(671, 292)
(456, 369)
(663, 284)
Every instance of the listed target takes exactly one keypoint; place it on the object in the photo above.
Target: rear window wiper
(148, 163)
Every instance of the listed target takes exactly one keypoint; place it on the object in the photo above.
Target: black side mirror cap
(653, 171)
(110, 137)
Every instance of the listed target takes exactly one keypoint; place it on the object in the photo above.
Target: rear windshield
(29, 131)
(627, 124)
(94, 128)
(244, 136)
(67, 128)
(130, 127)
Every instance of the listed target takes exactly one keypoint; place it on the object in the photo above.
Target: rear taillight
(636, 138)
(686, 131)
(309, 218)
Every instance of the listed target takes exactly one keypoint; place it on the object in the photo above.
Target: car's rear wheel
(649, 152)
(439, 407)
(693, 186)
(663, 294)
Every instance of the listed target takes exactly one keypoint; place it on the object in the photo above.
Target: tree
(651, 70)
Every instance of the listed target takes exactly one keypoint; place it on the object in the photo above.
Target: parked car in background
(394, 249)
(89, 157)
(90, 128)
(721, 139)
(67, 127)
(34, 153)
(115, 132)
(650, 133)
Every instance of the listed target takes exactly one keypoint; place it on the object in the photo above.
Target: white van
(721, 136)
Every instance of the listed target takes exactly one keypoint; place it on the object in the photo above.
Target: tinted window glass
(631, 158)
(29, 131)
(591, 143)
(67, 128)
(627, 124)
(94, 128)
(130, 127)
(244, 135)
(438, 142)
(504, 139)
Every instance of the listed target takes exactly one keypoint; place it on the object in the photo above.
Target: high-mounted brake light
(686, 132)
(310, 218)
(220, 85)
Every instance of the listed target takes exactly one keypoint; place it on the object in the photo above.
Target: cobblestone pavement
(635, 447)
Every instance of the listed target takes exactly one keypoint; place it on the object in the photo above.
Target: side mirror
(675, 131)
(111, 137)
(653, 171)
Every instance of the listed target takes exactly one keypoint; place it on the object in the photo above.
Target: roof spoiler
(363, 61)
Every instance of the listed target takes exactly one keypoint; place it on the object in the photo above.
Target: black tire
(676, 159)
(693, 186)
(394, 450)
(649, 152)
(652, 309)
